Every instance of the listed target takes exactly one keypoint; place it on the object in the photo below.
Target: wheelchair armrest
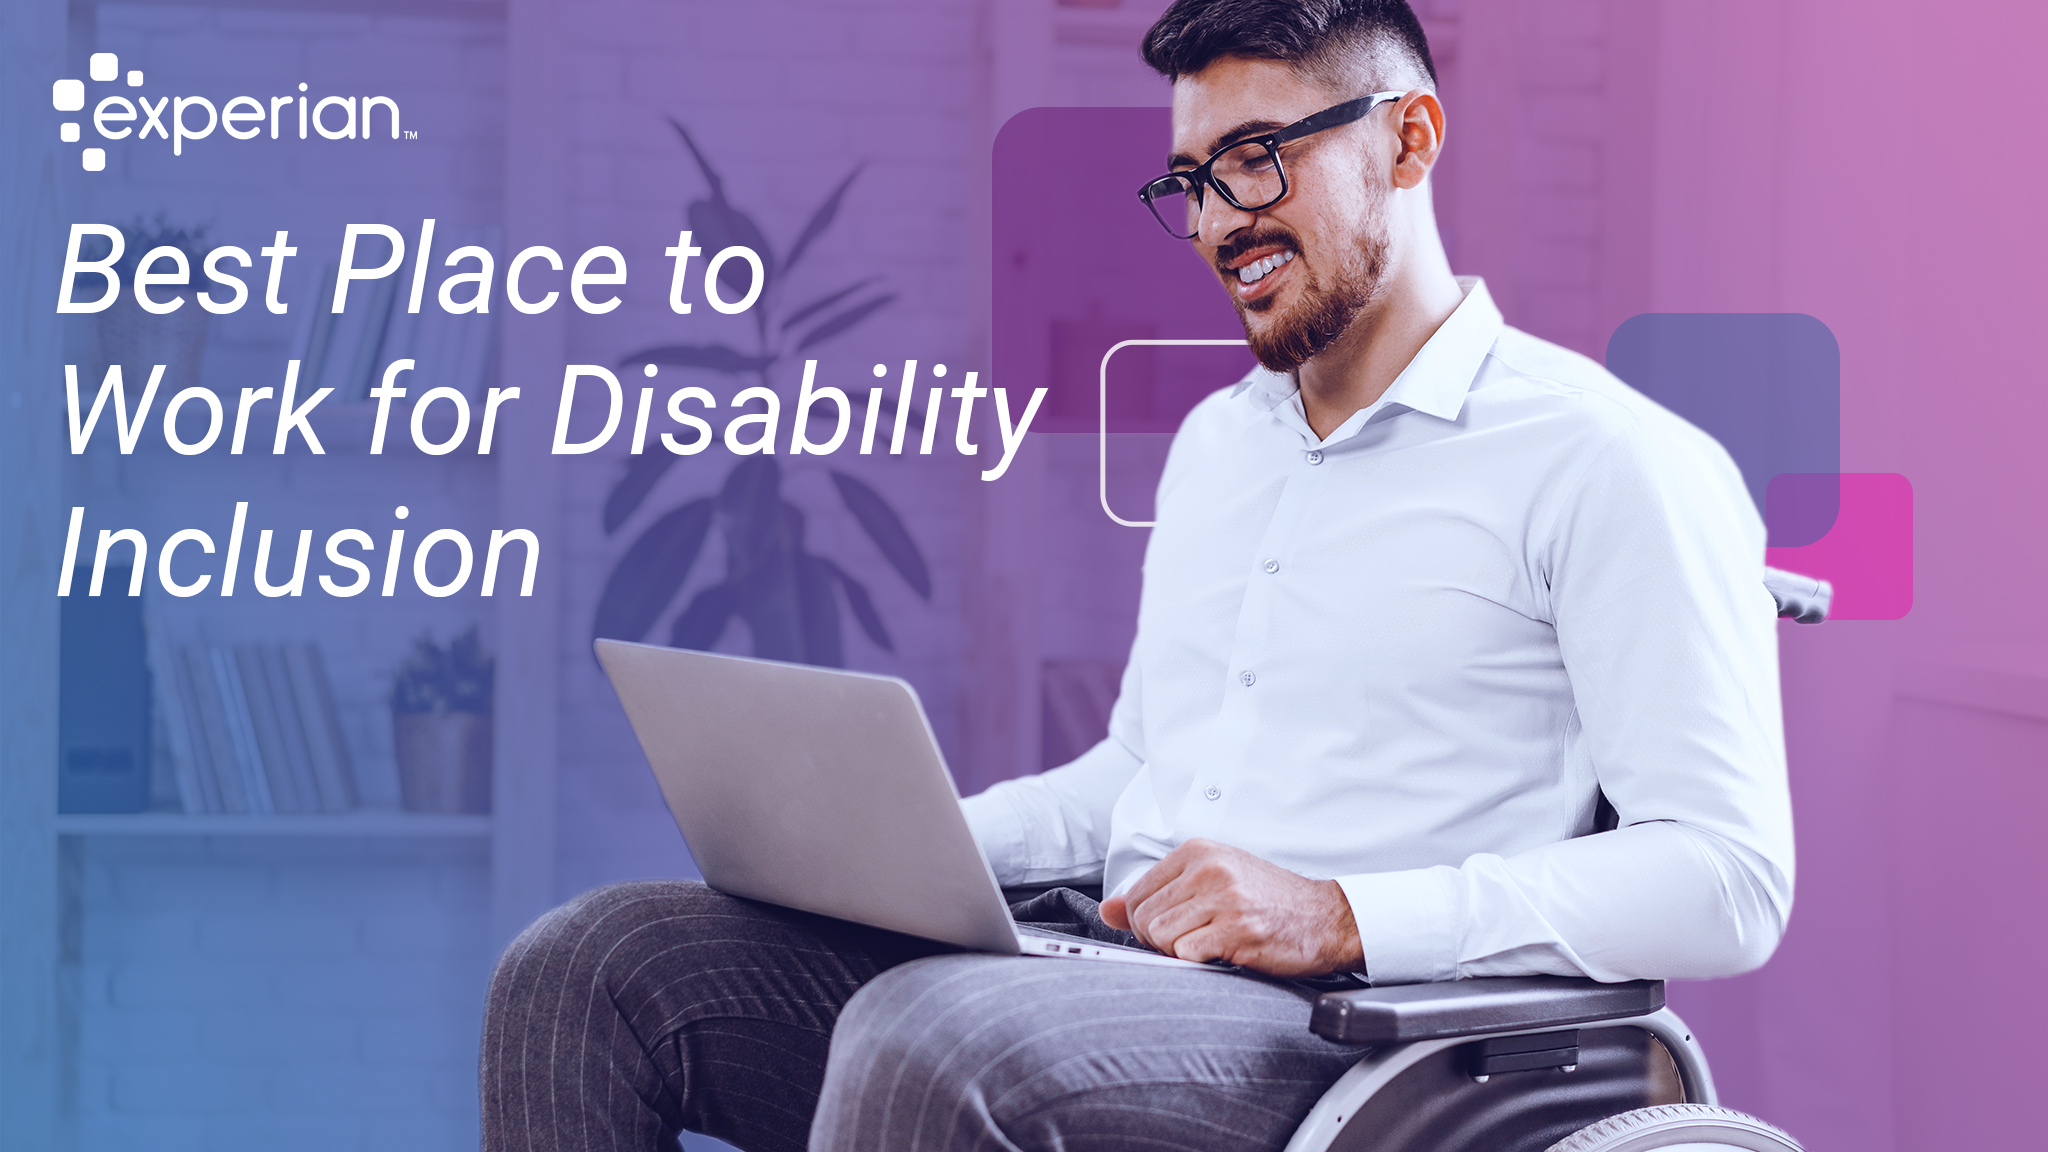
(1408, 1012)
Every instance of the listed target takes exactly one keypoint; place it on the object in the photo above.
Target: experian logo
(176, 119)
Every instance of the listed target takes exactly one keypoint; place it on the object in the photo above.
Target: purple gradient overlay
(1605, 159)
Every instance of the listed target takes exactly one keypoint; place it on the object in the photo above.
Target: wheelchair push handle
(1801, 598)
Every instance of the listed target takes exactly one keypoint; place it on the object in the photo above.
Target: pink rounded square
(1868, 554)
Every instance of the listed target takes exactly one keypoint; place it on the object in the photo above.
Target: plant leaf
(753, 478)
(863, 606)
(772, 622)
(718, 225)
(703, 622)
(768, 604)
(818, 612)
(703, 165)
(651, 572)
(768, 583)
(823, 302)
(716, 357)
(842, 321)
(822, 218)
(750, 513)
(886, 529)
(642, 473)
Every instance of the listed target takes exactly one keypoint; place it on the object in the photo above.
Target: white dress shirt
(1410, 655)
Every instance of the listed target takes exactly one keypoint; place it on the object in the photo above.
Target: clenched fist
(1209, 901)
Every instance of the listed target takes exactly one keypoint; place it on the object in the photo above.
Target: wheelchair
(1535, 1063)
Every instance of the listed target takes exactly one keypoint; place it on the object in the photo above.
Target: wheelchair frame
(1498, 1065)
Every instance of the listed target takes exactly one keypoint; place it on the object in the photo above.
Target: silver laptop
(824, 791)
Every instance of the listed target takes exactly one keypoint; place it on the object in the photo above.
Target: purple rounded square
(1767, 385)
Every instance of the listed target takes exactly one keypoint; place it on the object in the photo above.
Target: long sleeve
(1653, 566)
(1054, 827)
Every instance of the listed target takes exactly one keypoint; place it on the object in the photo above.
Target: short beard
(1325, 312)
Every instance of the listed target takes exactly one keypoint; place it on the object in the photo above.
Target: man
(1422, 591)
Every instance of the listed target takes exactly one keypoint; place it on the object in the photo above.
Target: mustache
(1237, 246)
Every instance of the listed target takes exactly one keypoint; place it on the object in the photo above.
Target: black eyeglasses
(1247, 174)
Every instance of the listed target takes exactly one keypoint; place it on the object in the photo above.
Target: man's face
(1325, 242)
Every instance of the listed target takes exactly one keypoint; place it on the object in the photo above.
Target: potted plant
(138, 340)
(786, 596)
(441, 725)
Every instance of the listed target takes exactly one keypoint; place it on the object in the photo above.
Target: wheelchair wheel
(1679, 1128)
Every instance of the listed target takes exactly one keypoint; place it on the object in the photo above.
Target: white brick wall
(279, 992)
(1545, 266)
(252, 993)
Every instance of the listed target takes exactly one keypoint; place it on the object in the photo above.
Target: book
(316, 326)
(174, 709)
(264, 725)
(103, 703)
(345, 335)
(325, 746)
(405, 331)
(481, 347)
(251, 729)
(363, 366)
(204, 778)
(219, 761)
(205, 783)
(442, 340)
(459, 347)
(291, 728)
(401, 335)
(241, 734)
(472, 355)
(485, 365)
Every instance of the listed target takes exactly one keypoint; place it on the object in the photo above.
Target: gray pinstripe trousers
(640, 1010)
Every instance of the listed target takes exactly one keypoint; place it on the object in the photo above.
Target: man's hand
(1209, 901)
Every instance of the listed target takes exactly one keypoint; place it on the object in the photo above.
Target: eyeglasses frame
(1200, 176)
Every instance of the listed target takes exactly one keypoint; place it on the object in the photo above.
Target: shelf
(367, 823)
(490, 10)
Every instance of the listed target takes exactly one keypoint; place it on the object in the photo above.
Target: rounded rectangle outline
(1102, 415)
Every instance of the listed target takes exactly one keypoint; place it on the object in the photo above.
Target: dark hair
(1326, 39)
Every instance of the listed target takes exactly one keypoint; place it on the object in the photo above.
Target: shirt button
(1315, 457)
(1213, 792)
(1247, 679)
(1272, 565)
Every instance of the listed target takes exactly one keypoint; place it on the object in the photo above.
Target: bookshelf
(368, 822)
(473, 879)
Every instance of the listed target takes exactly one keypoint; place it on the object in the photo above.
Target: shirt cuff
(999, 828)
(1407, 923)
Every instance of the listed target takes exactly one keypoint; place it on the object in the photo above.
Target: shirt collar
(1436, 381)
